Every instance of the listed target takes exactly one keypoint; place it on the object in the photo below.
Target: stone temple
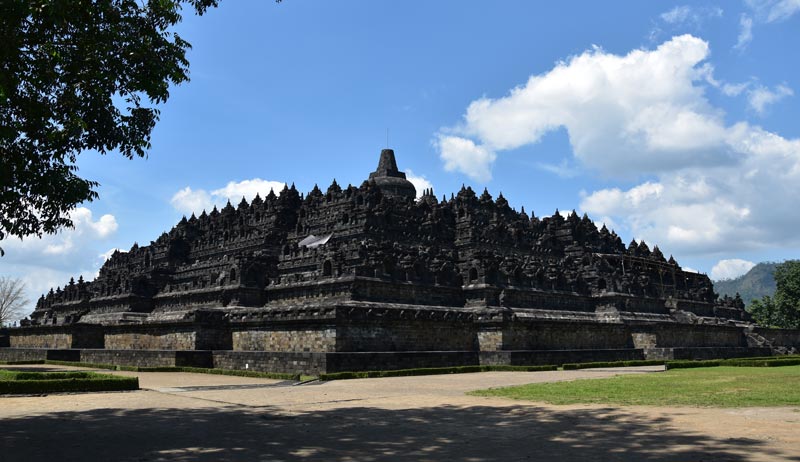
(369, 277)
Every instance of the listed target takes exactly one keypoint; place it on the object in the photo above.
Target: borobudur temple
(372, 278)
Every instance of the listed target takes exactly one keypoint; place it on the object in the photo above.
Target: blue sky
(671, 122)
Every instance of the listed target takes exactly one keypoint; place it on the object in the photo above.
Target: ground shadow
(475, 433)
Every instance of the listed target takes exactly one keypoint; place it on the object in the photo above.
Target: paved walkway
(200, 417)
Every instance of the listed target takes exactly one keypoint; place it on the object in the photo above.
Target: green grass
(27, 382)
(712, 387)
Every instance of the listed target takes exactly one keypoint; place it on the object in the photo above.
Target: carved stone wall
(286, 339)
(151, 340)
(54, 340)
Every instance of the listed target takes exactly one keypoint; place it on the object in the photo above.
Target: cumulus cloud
(730, 269)
(419, 181)
(234, 191)
(51, 260)
(66, 243)
(463, 155)
(188, 200)
(637, 113)
(710, 186)
(760, 97)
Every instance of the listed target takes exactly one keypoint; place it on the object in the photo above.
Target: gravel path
(201, 417)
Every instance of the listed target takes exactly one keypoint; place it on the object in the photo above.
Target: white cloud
(761, 97)
(774, 10)
(107, 254)
(464, 156)
(638, 113)
(745, 32)
(677, 14)
(419, 181)
(51, 260)
(734, 89)
(188, 201)
(710, 186)
(248, 189)
(764, 12)
(730, 269)
(685, 14)
(66, 243)
(563, 169)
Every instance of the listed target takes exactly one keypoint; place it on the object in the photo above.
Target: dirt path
(183, 417)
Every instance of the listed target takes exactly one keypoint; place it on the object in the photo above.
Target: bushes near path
(24, 382)
(768, 361)
(736, 362)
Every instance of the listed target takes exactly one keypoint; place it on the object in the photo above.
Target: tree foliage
(78, 75)
(782, 310)
(12, 299)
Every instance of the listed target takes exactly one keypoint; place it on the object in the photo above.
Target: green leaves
(62, 64)
(782, 310)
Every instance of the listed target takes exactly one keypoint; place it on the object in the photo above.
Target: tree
(12, 299)
(782, 310)
(66, 68)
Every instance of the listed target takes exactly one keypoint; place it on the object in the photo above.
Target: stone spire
(391, 181)
(387, 166)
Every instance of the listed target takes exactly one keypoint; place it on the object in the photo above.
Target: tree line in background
(783, 309)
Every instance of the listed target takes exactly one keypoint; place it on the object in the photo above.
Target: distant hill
(754, 284)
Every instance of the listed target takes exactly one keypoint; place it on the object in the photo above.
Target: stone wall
(700, 353)
(403, 335)
(271, 361)
(522, 335)
(56, 337)
(182, 336)
(780, 337)
(22, 354)
(687, 336)
(372, 361)
(151, 340)
(557, 357)
(490, 339)
(148, 358)
(285, 338)
(61, 340)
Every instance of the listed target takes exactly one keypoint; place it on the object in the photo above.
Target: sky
(671, 122)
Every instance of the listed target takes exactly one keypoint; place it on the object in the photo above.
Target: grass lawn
(713, 386)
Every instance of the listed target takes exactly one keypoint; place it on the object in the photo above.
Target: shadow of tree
(452, 433)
